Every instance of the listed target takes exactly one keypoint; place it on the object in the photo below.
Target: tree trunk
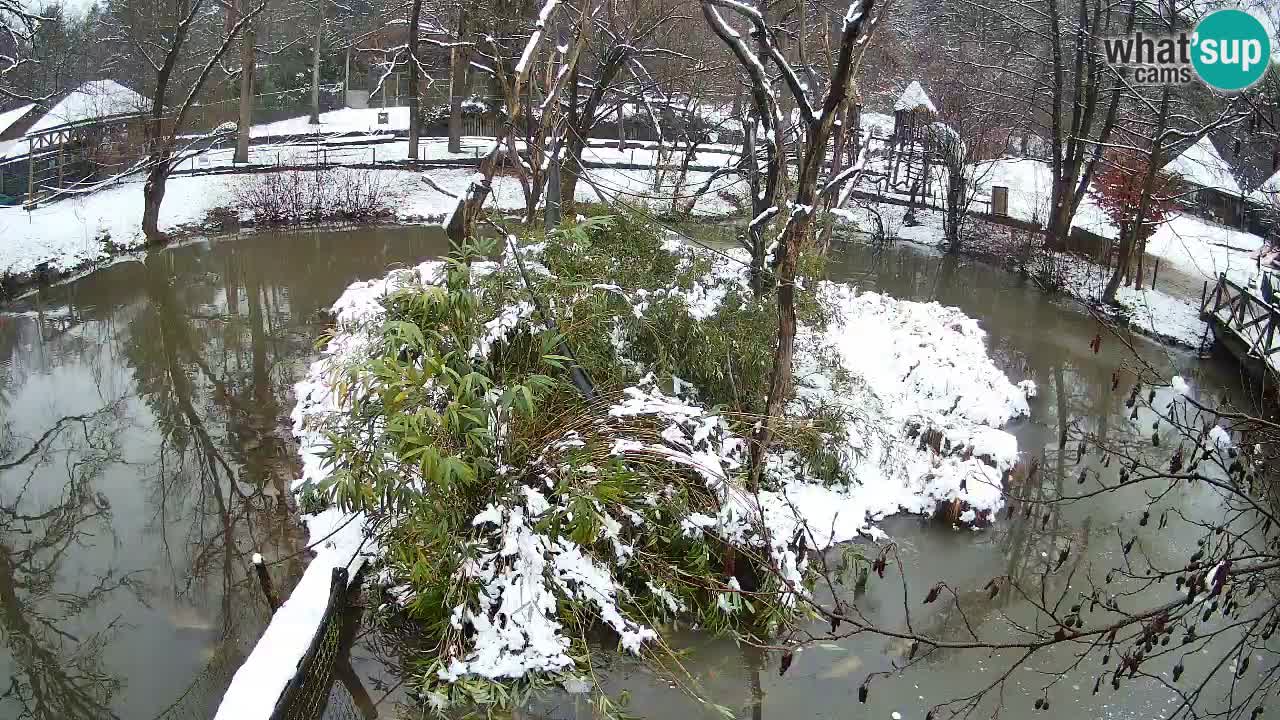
(315, 65)
(622, 125)
(576, 129)
(248, 67)
(153, 196)
(457, 83)
(415, 117)
(837, 165)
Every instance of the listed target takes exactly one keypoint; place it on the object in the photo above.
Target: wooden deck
(1244, 324)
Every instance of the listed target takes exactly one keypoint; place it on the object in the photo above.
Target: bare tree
(460, 226)
(961, 137)
(182, 44)
(18, 27)
(316, 42)
(626, 35)
(817, 124)
(248, 78)
(459, 56)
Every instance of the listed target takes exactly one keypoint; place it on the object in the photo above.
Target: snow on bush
(910, 404)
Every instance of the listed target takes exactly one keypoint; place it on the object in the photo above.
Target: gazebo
(912, 115)
(909, 152)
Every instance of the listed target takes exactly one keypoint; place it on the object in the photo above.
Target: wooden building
(1211, 189)
(76, 138)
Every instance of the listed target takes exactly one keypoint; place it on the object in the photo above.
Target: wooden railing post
(264, 579)
(1270, 334)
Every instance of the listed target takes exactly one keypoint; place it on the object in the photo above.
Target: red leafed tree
(1137, 200)
(1118, 187)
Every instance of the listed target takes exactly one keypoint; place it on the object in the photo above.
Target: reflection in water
(145, 455)
(56, 674)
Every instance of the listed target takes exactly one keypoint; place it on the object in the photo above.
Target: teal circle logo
(1231, 50)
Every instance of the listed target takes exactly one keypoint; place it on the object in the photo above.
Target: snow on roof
(9, 117)
(1201, 165)
(91, 101)
(1268, 191)
(914, 98)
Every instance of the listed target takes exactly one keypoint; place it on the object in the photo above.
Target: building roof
(9, 117)
(1269, 191)
(1201, 164)
(914, 98)
(94, 100)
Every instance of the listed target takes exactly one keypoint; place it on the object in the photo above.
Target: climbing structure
(910, 154)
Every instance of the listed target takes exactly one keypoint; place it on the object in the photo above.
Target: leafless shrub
(297, 197)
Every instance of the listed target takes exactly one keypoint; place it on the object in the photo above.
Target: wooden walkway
(1244, 324)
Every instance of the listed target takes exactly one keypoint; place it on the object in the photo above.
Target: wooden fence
(1242, 321)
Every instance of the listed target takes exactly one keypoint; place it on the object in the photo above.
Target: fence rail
(1245, 322)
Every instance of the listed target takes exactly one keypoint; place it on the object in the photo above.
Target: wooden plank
(1256, 318)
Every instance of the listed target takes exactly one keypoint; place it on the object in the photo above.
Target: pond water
(156, 394)
(144, 454)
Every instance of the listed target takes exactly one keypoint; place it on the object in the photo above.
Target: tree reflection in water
(55, 674)
(201, 344)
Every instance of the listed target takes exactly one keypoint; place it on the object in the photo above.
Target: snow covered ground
(344, 120)
(1171, 313)
(1200, 248)
(73, 232)
(368, 150)
(1196, 250)
(1156, 313)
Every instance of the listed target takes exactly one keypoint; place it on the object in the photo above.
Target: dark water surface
(144, 455)
(156, 394)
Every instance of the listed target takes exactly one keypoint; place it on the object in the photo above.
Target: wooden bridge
(1244, 324)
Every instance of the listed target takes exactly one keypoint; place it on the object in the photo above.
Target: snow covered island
(514, 510)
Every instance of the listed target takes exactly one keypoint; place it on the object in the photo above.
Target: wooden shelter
(1212, 191)
(81, 136)
(910, 154)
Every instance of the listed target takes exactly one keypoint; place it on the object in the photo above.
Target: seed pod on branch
(933, 593)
